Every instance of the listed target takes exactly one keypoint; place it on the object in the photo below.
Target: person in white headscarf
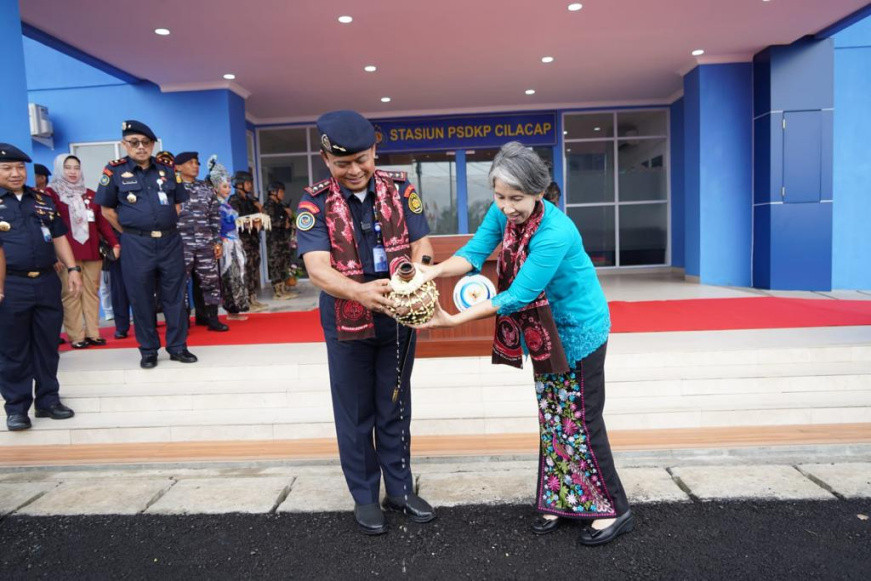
(86, 225)
(232, 265)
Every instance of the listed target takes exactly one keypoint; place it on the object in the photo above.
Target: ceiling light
(229, 76)
(530, 91)
(346, 19)
(385, 99)
(597, 128)
(575, 6)
(698, 52)
(547, 59)
(161, 31)
(370, 68)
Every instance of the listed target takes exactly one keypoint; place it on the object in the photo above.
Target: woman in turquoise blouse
(550, 306)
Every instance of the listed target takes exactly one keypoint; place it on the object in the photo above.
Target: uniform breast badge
(5, 227)
(131, 197)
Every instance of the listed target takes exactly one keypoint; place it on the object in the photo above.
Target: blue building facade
(757, 175)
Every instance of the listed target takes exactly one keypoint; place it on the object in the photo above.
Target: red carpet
(626, 317)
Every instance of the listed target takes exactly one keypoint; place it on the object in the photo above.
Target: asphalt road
(749, 540)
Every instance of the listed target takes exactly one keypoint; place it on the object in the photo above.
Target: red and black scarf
(353, 320)
(535, 321)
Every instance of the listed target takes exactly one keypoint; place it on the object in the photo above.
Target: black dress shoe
(592, 537)
(370, 519)
(56, 412)
(17, 422)
(99, 341)
(120, 334)
(80, 345)
(543, 525)
(184, 357)
(417, 509)
(148, 362)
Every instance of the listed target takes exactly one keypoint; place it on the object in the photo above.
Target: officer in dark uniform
(199, 222)
(372, 430)
(245, 203)
(42, 174)
(140, 197)
(31, 313)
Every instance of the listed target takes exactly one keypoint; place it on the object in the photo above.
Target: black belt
(150, 233)
(35, 273)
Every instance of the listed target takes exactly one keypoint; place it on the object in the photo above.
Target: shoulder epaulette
(319, 187)
(115, 162)
(397, 176)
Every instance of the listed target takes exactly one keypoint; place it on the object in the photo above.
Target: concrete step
(655, 380)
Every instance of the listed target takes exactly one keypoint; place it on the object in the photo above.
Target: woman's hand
(440, 320)
(429, 271)
(116, 250)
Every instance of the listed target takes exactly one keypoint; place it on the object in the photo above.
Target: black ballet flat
(592, 537)
(543, 526)
(98, 342)
(80, 345)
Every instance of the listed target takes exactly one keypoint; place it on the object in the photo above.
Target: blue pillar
(792, 198)
(851, 235)
(462, 193)
(717, 173)
(14, 123)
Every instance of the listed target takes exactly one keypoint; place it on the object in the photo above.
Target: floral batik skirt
(232, 277)
(576, 474)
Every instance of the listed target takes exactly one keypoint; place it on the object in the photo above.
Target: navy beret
(9, 152)
(133, 127)
(186, 156)
(345, 132)
(41, 170)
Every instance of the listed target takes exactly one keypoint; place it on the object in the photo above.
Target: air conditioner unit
(40, 124)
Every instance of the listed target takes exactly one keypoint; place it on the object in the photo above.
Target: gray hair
(520, 168)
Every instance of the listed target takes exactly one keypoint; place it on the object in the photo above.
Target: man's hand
(60, 267)
(116, 250)
(373, 295)
(75, 282)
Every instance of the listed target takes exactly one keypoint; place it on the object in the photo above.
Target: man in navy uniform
(31, 312)
(140, 198)
(42, 174)
(352, 230)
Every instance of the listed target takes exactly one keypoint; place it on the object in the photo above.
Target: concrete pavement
(265, 488)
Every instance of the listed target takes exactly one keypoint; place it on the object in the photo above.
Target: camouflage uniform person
(278, 241)
(245, 204)
(199, 223)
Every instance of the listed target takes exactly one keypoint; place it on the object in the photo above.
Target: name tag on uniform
(91, 217)
(379, 258)
(46, 234)
(164, 201)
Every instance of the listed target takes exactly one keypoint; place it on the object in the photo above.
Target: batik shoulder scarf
(535, 321)
(353, 320)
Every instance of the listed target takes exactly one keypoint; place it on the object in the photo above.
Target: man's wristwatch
(74, 268)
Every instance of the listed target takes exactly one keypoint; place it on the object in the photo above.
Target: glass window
(596, 225)
(435, 178)
(588, 126)
(642, 170)
(478, 192)
(290, 169)
(589, 172)
(640, 123)
(287, 140)
(319, 169)
(643, 234)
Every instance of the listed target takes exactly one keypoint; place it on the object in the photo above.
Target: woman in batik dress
(232, 264)
(550, 306)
